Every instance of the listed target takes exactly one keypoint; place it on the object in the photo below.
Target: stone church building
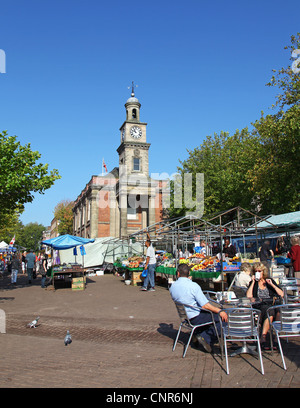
(126, 199)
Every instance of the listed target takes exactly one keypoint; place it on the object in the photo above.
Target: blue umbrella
(66, 241)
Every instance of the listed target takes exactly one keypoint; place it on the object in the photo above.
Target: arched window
(136, 164)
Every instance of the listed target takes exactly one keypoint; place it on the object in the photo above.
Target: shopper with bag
(150, 267)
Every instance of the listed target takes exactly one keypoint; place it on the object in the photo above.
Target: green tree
(277, 167)
(27, 236)
(257, 170)
(21, 175)
(225, 162)
(287, 79)
(32, 236)
(64, 215)
(9, 221)
(275, 175)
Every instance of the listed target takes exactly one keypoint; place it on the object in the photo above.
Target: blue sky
(201, 67)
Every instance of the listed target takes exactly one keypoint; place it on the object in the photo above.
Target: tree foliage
(224, 160)
(287, 79)
(258, 169)
(275, 176)
(31, 237)
(64, 215)
(26, 236)
(21, 174)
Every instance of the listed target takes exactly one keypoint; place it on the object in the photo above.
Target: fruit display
(136, 258)
(134, 264)
(200, 262)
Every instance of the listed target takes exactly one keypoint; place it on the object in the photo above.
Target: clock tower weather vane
(132, 88)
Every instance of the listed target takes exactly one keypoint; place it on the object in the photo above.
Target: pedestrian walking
(24, 262)
(15, 267)
(30, 258)
(43, 270)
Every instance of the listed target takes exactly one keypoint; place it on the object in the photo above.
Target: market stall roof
(66, 241)
(290, 220)
(104, 250)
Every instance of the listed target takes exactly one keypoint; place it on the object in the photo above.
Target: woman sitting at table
(263, 287)
(243, 278)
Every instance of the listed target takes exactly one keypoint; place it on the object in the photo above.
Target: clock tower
(136, 205)
(133, 150)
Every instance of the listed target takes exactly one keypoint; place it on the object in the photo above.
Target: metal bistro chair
(242, 325)
(288, 324)
(239, 291)
(289, 284)
(185, 322)
(210, 295)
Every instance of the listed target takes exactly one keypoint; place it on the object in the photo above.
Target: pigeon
(33, 323)
(68, 338)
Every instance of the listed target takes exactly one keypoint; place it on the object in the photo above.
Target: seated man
(184, 290)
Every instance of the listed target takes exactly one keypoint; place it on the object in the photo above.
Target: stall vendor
(229, 249)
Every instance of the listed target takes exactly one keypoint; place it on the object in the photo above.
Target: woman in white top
(243, 277)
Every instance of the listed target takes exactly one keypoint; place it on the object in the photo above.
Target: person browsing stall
(150, 265)
(265, 252)
(294, 255)
(185, 291)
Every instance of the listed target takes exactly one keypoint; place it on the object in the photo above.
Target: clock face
(136, 132)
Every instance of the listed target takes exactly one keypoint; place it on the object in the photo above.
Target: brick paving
(122, 338)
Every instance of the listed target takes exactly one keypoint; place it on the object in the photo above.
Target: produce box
(250, 260)
(78, 280)
(78, 283)
(78, 287)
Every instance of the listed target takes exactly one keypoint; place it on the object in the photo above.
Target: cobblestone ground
(122, 338)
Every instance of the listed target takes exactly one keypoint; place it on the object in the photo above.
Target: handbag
(144, 273)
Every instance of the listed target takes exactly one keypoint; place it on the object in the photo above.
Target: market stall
(104, 251)
(186, 232)
(68, 275)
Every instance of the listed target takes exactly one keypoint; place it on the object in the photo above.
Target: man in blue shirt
(184, 290)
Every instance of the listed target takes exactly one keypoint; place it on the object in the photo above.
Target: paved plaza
(122, 338)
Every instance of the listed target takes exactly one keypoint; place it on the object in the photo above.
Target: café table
(254, 303)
